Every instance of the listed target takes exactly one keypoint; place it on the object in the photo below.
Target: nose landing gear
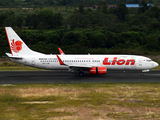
(143, 71)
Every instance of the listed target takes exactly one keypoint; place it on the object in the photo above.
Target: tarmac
(65, 77)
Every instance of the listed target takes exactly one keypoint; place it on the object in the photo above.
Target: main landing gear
(81, 73)
(142, 73)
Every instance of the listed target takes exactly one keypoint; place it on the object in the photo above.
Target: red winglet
(60, 61)
(61, 52)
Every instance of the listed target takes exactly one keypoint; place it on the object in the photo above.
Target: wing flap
(81, 66)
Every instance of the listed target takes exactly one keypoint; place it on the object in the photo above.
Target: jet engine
(98, 70)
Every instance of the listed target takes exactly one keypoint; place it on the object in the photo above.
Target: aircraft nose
(155, 64)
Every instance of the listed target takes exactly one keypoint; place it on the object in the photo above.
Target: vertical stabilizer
(17, 46)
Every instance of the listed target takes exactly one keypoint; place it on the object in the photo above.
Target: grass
(6, 65)
(80, 101)
(19, 68)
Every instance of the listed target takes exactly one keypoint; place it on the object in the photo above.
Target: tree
(103, 6)
(81, 8)
(136, 22)
(86, 39)
(153, 12)
(41, 47)
(143, 7)
(136, 1)
(45, 18)
(121, 11)
(3, 16)
(110, 37)
(150, 1)
(154, 26)
(53, 37)
(56, 20)
(49, 2)
(3, 43)
(152, 42)
(10, 19)
(128, 39)
(99, 41)
(19, 21)
(2, 3)
(71, 38)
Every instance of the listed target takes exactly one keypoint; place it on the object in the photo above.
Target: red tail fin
(61, 52)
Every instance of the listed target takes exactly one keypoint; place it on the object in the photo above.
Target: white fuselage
(115, 62)
(22, 54)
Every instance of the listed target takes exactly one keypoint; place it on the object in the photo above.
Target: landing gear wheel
(81, 73)
(142, 73)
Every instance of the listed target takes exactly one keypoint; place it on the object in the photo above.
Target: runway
(39, 77)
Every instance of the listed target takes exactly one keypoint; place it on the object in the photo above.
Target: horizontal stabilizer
(13, 57)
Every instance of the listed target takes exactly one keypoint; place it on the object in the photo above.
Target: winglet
(61, 52)
(60, 61)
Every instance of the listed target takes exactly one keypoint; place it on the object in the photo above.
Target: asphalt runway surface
(39, 77)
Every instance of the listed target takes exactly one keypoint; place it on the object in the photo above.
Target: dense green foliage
(42, 3)
(83, 30)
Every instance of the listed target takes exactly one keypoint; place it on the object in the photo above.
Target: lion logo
(16, 46)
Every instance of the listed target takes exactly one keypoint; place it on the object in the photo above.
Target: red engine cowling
(98, 70)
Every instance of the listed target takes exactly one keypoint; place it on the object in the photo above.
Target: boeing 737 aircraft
(95, 64)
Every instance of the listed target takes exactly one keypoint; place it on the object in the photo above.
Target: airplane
(94, 64)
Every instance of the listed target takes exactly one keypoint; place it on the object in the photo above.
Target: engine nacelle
(98, 70)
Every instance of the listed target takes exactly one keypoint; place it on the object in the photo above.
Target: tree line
(88, 3)
(83, 30)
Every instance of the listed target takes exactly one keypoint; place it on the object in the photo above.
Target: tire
(142, 73)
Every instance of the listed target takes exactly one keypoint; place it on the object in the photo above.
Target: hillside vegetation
(88, 3)
(85, 30)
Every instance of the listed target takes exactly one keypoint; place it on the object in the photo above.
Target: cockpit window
(148, 60)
